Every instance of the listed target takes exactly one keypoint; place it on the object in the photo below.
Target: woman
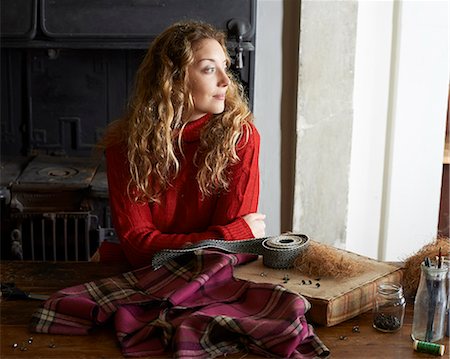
(182, 164)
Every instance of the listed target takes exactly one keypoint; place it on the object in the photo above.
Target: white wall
(325, 119)
(370, 101)
(417, 129)
(401, 84)
(267, 106)
(399, 103)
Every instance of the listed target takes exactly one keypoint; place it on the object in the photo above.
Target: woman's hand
(256, 223)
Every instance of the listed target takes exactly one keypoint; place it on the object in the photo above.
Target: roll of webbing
(277, 252)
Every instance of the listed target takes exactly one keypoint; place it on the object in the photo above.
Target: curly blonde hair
(152, 127)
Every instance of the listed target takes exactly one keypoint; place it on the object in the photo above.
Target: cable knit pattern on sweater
(182, 215)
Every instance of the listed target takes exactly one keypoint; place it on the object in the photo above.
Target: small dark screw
(317, 285)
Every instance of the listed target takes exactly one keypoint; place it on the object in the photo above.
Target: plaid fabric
(192, 307)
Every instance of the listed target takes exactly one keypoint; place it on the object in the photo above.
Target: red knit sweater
(182, 216)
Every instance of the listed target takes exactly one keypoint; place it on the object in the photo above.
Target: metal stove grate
(54, 236)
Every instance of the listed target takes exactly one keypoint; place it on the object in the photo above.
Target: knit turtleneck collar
(193, 129)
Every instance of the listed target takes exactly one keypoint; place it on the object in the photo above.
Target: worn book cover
(332, 300)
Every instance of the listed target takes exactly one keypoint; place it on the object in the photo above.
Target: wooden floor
(343, 340)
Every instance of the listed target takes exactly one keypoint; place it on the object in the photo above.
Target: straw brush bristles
(411, 274)
(322, 260)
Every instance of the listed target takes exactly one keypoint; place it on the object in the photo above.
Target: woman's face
(208, 79)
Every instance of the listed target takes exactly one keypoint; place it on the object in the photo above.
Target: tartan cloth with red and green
(192, 307)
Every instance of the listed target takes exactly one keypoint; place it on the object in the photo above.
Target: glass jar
(388, 307)
(446, 262)
(430, 304)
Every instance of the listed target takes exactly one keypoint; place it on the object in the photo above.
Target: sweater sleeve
(141, 239)
(243, 194)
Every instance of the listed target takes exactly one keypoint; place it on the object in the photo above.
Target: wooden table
(47, 277)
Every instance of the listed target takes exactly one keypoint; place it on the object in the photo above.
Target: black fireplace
(67, 70)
